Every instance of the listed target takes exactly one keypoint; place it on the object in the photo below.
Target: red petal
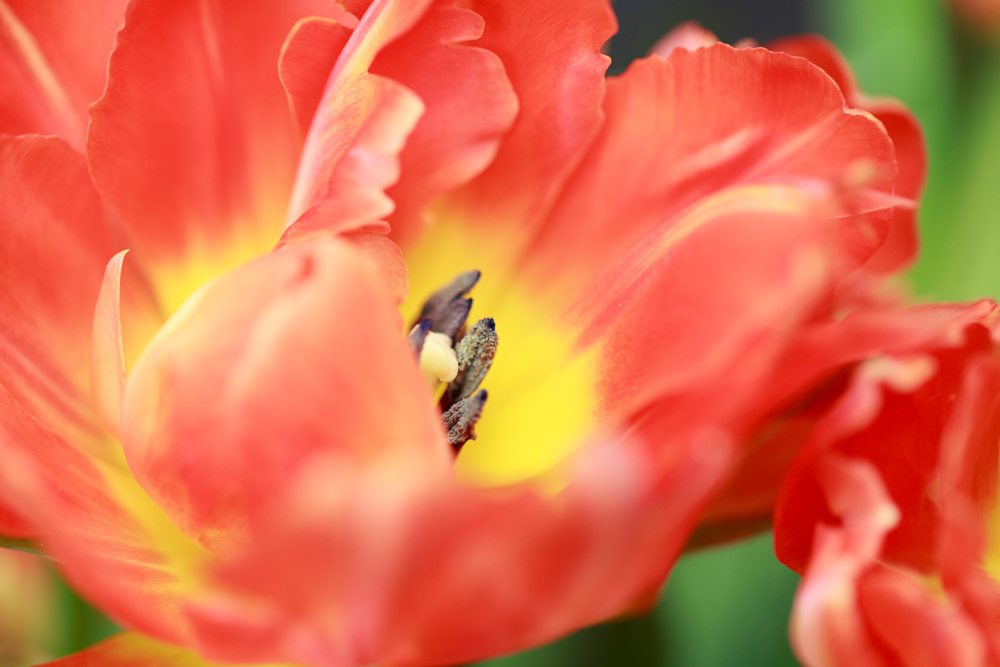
(192, 143)
(373, 565)
(363, 120)
(827, 627)
(111, 542)
(469, 107)
(681, 129)
(468, 104)
(921, 629)
(297, 353)
(677, 311)
(53, 63)
(307, 58)
(903, 127)
(551, 55)
(56, 244)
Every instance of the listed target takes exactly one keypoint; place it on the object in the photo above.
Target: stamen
(461, 418)
(440, 301)
(417, 335)
(438, 361)
(475, 356)
(452, 318)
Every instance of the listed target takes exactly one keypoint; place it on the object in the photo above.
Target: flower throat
(455, 354)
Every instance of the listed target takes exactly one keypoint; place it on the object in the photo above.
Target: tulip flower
(888, 507)
(279, 430)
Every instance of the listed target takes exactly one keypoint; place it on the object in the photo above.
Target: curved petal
(53, 63)
(57, 242)
(107, 360)
(192, 143)
(295, 354)
(705, 120)
(110, 541)
(307, 58)
(362, 119)
(740, 269)
(469, 107)
(898, 428)
(901, 245)
(465, 106)
(550, 52)
(827, 627)
(391, 570)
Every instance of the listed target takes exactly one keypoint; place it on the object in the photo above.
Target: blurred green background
(727, 606)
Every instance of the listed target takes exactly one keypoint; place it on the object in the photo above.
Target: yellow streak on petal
(542, 392)
(177, 279)
(183, 559)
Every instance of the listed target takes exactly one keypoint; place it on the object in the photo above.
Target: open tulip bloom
(435, 344)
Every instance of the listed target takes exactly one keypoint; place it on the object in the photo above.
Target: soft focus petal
(112, 543)
(107, 361)
(192, 143)
(827, 629)
(295, 354)
(668, 142)
(56, 243)
(901, 246)
(53, 63)
(307, 58)
(391, 570)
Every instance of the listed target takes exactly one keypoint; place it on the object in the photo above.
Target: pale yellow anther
(437, 358)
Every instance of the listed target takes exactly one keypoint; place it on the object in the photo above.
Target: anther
(475, 356)
(460, 419)
(439, 302)
(452, 318)
(417, 335)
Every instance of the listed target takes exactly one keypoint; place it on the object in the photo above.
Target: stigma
(455, 354)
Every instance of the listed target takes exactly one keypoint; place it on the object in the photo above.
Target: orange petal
(57, 242)
(53, 63)
(377, 566)
(362, 120)
(192, 143)
(901, 246)
(297, 353)
(110, 541)
(551, 54)
(307, 58)
(558, 75)
(469, 107)
(705, 120)
(827, 627)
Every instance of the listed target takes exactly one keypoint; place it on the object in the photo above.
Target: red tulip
(887, 509)
(237, 451)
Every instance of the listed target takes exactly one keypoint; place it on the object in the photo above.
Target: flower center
(456, 355)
